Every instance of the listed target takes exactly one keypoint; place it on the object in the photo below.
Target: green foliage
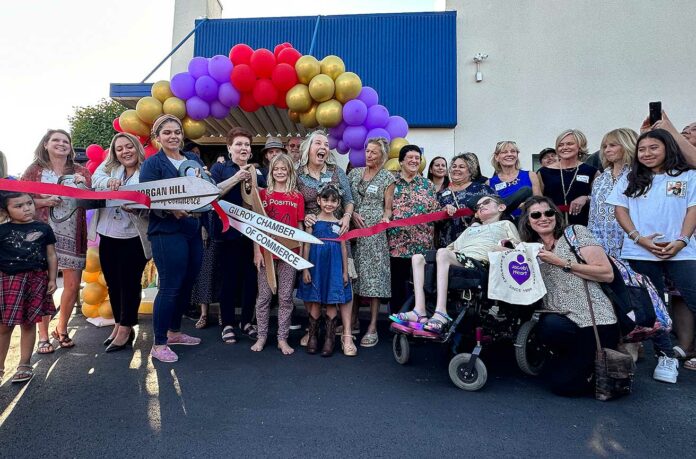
(93, 123)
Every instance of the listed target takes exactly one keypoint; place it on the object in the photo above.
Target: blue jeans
(178, 257)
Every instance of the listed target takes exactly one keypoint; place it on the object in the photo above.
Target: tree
(94, 123)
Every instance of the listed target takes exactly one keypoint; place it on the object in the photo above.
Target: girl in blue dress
(327, 282)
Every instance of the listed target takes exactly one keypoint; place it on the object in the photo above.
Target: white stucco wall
(185, 14)
(587, 64)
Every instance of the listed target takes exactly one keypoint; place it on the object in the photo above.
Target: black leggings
(238, 277)
(571, 364)
(401, 287)
(122, 262)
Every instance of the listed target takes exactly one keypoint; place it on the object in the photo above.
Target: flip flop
(45, 347)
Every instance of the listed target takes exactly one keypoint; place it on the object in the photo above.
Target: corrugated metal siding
(409, 58)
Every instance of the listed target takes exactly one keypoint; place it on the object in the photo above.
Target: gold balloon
(131, 123)
(309, 118)
(161, 90)
(307, 67)
(348, 86)
(174, 106)
(294, 116)
(393, 165)
(332, 66)
(193, 129)
(148, 109)
(321, 88)
(329, 113)
(395, 146)
(298, 98)
(421, 168)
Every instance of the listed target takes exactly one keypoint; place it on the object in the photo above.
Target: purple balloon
(207, 88)
(333, 142)
(354, 112)
(228, 95)
(368, 96)
(337, 131)
(198, 66)
(342, 148)
(183, 85)
(377, 117)
(220, 67)
(357, 157)
(354, 136)
(397, 127)
(219, 110)
(378, 132)
(197, 108)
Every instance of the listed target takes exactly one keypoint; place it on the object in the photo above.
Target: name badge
(500, 186)
(325, 179)
(583, 178)
(676, 188)
(446, 192)
(372, 189)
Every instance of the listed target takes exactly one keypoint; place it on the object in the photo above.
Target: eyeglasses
(537, 215)
(485, 202)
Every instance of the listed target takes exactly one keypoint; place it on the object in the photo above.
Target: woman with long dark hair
(437, 173)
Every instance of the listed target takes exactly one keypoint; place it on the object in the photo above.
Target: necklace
(570, 186)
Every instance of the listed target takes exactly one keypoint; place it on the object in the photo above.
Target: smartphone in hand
(655, 112)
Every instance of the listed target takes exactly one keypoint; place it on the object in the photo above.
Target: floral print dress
(602, 223)
(416, 197)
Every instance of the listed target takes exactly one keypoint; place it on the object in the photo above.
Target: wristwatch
(567, 266)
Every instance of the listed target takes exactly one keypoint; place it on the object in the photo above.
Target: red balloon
(104, 155)
(262, 62)
(243, 78)
(117, 125)
(278, 49)
(241, 54)
(287, 44)
(150, 150)
(143, 139)
(280, 100)
(289, 56)
(91, 166)
(284, 77)
(248, 103)
(264, 92)
(95, 153)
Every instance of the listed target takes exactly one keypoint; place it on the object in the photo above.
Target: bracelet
(568, 266)
(631, 233)
(637, 238)
(684, 239)
(349, 214)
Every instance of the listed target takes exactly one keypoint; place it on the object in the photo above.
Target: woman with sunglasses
(510, 181)
(566, 327)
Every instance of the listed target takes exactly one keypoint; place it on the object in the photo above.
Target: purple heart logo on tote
(519, 270)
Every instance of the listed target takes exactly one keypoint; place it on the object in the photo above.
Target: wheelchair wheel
(530, 355)
(471, 382)
(401, 348)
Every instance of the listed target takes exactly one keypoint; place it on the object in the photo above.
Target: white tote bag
(514, 276)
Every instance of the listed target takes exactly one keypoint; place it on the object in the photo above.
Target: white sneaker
(666, 369)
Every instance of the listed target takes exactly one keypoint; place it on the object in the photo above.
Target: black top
(575, 185)
(23, 247)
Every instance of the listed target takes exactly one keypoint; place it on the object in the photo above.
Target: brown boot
(313, 342)
(329, 338)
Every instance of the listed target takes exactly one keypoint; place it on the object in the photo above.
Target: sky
(60, 54)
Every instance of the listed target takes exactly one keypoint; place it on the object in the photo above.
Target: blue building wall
(409, 58)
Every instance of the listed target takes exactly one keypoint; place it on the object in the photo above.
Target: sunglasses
(537, 215)
(485, 202)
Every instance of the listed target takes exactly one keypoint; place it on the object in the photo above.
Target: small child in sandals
(28, 270)
(468, 251)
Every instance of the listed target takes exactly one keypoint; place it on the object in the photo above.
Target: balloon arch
(315, 93)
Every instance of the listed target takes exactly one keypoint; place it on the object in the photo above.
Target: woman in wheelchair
(468, 251)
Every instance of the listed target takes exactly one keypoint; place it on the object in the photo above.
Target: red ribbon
(223, 216)
(70, 192)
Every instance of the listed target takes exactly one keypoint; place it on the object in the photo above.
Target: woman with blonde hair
(510, 181)
(568, 182)
(123, 244)
(616, 153)
(373, 190)
(53, 159)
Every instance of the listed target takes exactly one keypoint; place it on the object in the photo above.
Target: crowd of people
(639, 205)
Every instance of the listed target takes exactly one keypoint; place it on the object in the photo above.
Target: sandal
(63, 339)
(250, 331)
(202, 322)
(23, 375)
(681, 354)
(228, 335)
(349, 350)
(690, 364)
(436, 325)
(45, 347)
(404, 318)
(369, 339)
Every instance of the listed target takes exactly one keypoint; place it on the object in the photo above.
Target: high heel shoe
(119, 347)
(108, 341)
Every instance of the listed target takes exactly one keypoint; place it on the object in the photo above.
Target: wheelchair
(477, 321)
